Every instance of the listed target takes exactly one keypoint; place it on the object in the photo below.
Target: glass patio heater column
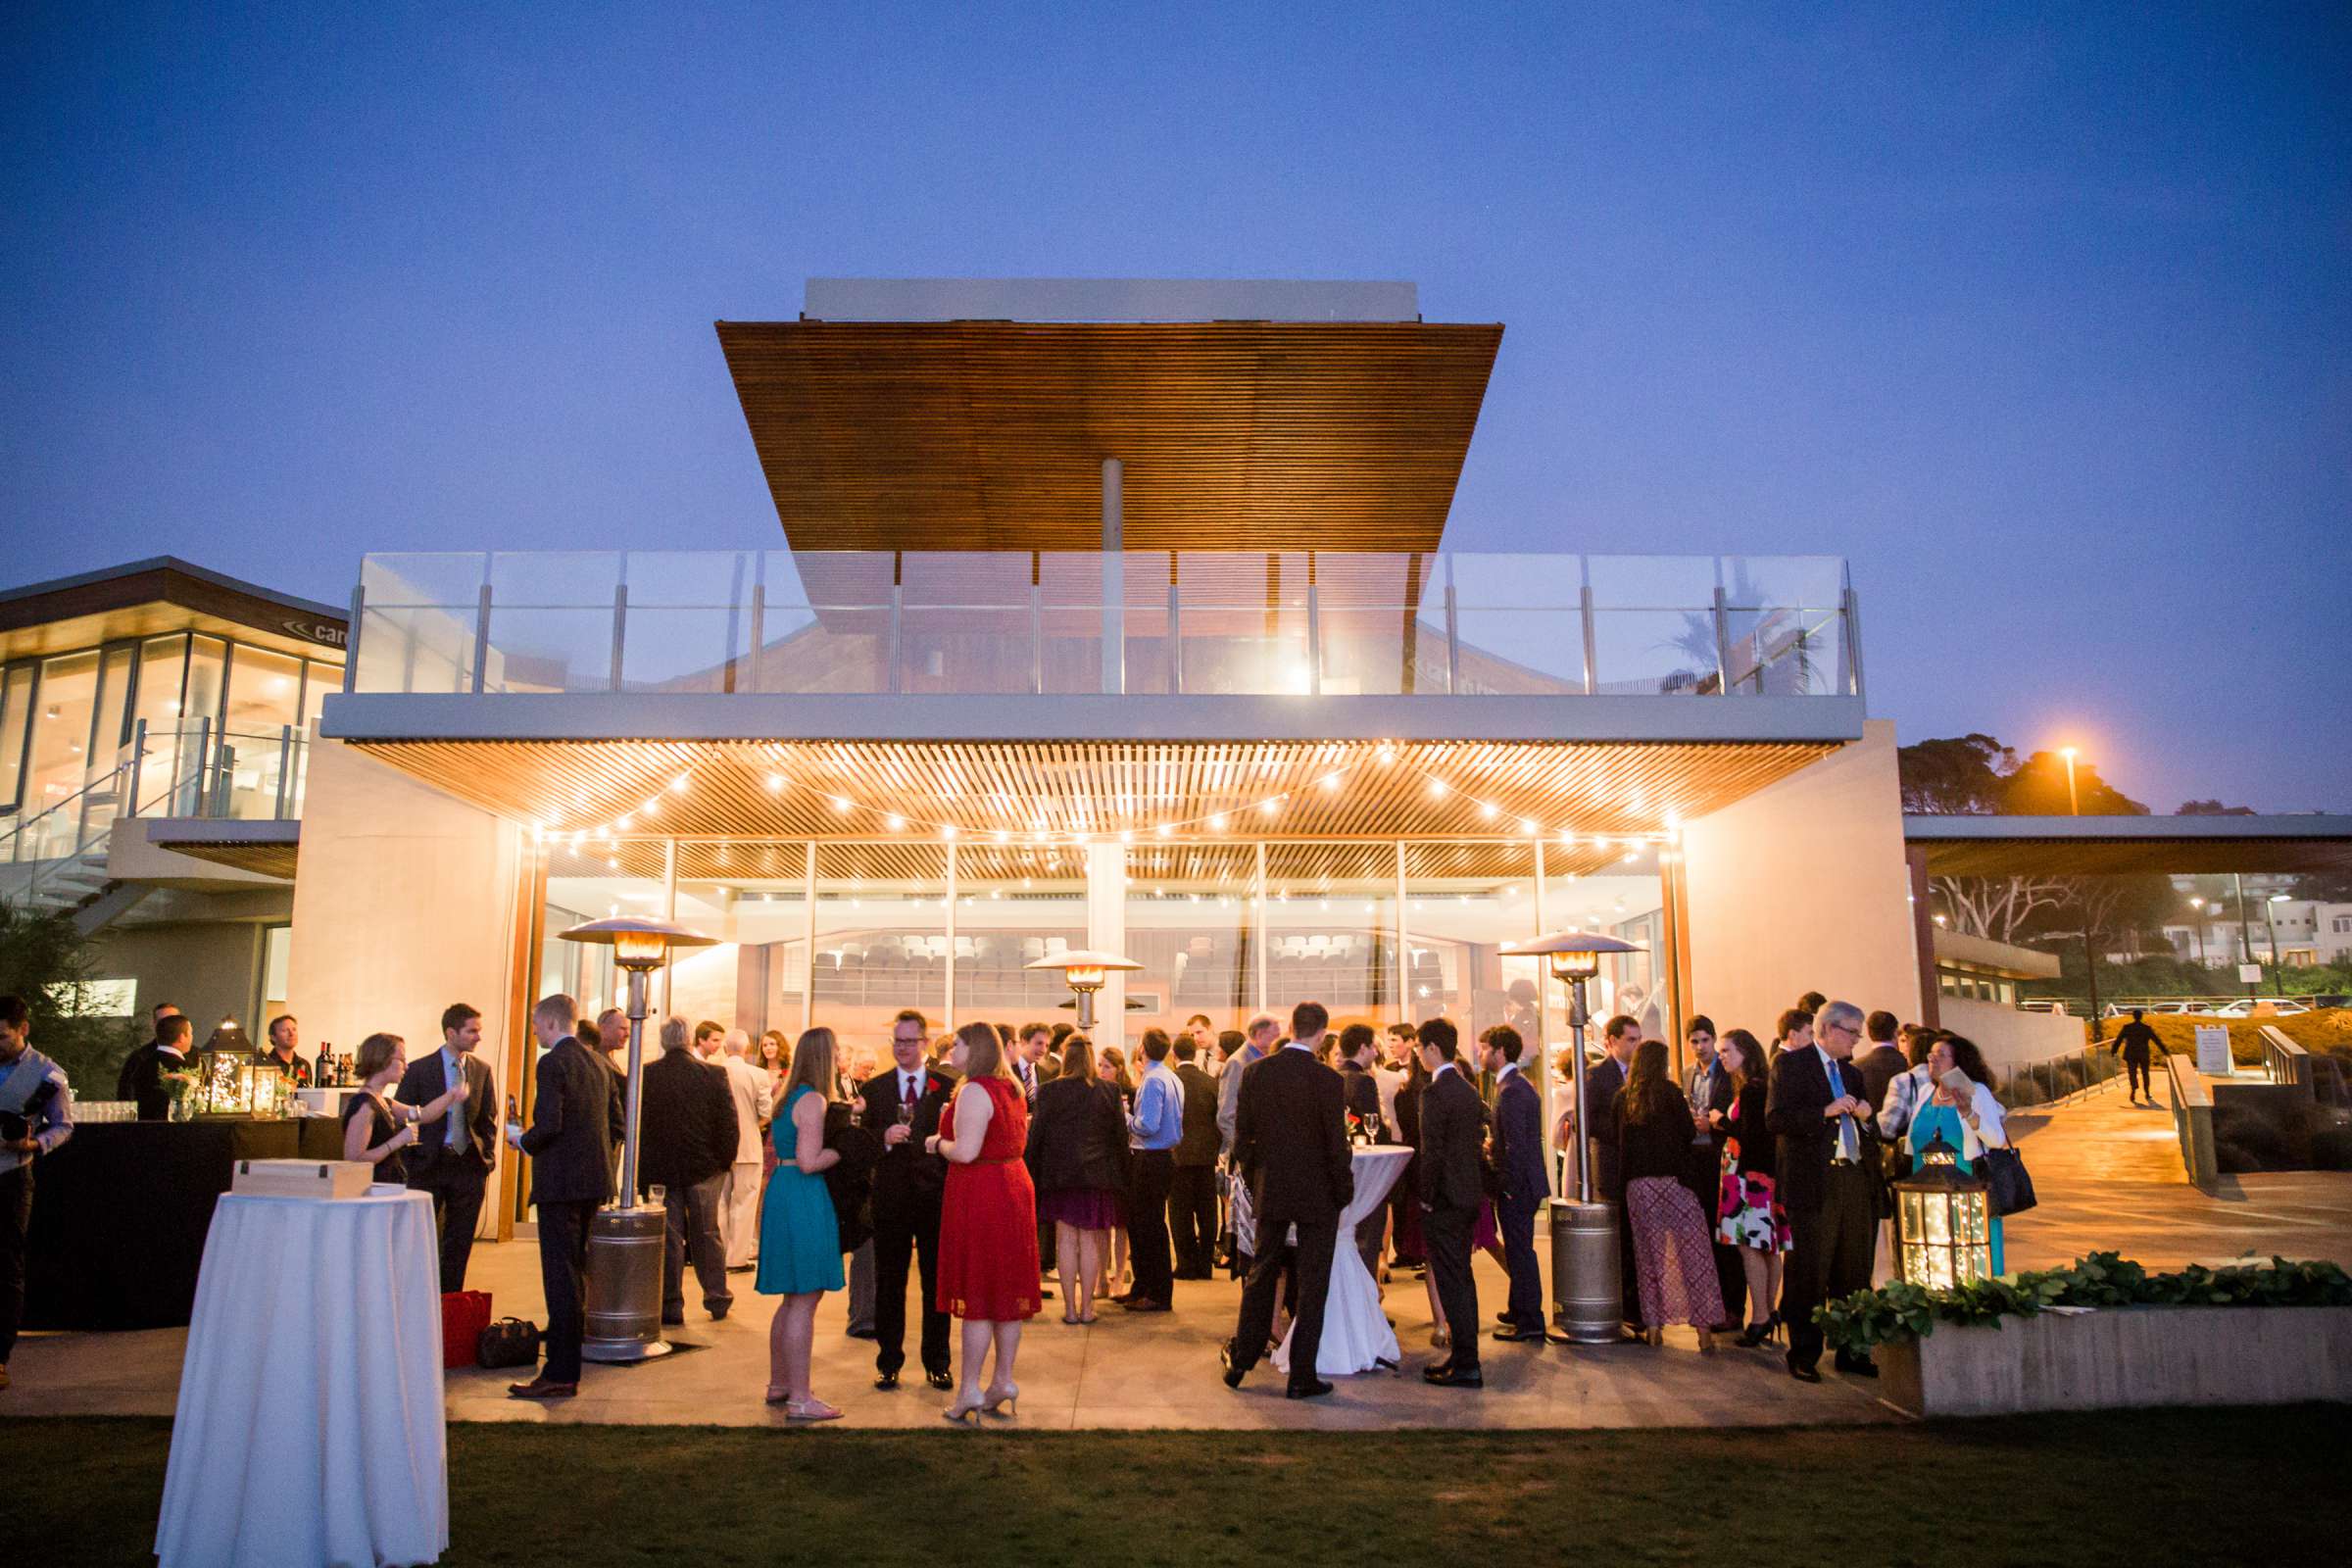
(1585, 1279)
(625, 1241)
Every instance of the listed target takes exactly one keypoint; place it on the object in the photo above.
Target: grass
(2145, 1486)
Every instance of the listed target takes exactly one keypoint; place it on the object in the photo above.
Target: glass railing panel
(434, 577)
(1377, 580)
(1654, 652)
(998, 577)
(1150, 651)
(568, 579)
(536, 648)
(1245, 652)
(685, 579)
(828, 576)
(1069, 651)
(699, 648)
(1649, 582)
(1379, 650)
(1511, 581)
(965, 649)
(1242, 579)
(1784, 582)
(827, 648)
(421, 648)
(1784, 653)
(1519, 653)
(247, 770)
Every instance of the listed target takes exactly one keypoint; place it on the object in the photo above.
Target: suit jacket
(1880, 1067)
(1453, 1127)
(570, 1136)
(1601, 1084)
(1362, 1092)
(1198, 1144)
(1078, 1137)
(908, 1183)
(1291, 1141)
(747, 1086)
(1518, 1153)
(686, 1132)
(1802, 1137)
(426, 1081)
(142, 1079)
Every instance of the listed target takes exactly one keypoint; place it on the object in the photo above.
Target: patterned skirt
(1747, 1207)
(1673, 1260)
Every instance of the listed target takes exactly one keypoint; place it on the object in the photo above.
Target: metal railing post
(1853, 615)
(138, 755)
(1314, 631)
(1723, 641)
(285, 771)
(1175, 639)
(898, 594)
(1453, 634)
(759, 647)
(1037, 631)
(192, 800)
(481, 638)
(351, 639)
(621, 630)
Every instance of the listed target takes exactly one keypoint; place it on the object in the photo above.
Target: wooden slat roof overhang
(990, 435)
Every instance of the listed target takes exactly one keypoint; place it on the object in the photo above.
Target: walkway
(2110, 1179)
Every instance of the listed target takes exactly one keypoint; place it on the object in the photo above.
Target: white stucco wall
(1803, 887)
(404, 902)
(2008, 1037)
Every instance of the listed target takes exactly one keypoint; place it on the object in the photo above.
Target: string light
(775, 783)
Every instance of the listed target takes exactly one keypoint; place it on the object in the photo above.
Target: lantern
(1945, 1222)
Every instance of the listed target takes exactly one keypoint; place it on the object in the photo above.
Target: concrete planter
(2138, 1356)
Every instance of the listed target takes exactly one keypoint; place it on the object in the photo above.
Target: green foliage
(1899, 1310)
(40, 954)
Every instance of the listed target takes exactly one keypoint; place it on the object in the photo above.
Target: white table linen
(1357, 1336)
(311, 1425)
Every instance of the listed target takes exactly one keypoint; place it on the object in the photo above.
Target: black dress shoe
(1856, 1366)
(1140, 1303)
(1451, 1376)
(886, 1381)
(1233, 1373)
(673, 1320)
(941, 1379)
(1801, 1372)
(863, 1333)
(1307, 1391)
(1511, 1332)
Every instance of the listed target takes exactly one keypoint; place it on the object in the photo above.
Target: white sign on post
(2249, 974)
(2212, 1048)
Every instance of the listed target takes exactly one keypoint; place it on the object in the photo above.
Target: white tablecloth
(1357, 1336)
(310, 1429)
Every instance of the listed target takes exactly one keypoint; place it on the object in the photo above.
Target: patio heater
(625, 1241)
(1585, 1283)
(1084, 971)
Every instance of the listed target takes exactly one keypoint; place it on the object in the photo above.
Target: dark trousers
(1193, 1219)
(1148, 1224)
(16, 1216)
(2136, 1067)
(1311, 1275)
(1369, 1233)
(901, 1237)
(1516, 1219)
(1705, 1181)
(564, 1281)
(1446, 1236)
(1830, 1256)
(1404, 1199)
(690, 1229)
(455, 1184)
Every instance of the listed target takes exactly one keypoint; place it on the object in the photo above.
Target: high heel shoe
(1655, 1336)
(809, 1410)
(1001, 1402)
(960, 1408)
(1753, 1336)
(1706, 1341)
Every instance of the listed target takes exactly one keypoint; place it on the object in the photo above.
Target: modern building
(1103, 614)
(148, 714)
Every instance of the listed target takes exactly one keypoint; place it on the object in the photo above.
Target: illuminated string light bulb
(1217, 821)
(1387, 755)
(1166, 829)
(1270, 807)
(947, 830)
(775, 783)
(1001, 837)
(652, 806)
(1527, 826)
(895, 822)
(840, 803)
(678, 783)
(1126, 835)
(1331, 781)
(625, 823)
(1486, 809)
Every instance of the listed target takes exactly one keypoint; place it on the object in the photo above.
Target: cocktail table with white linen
(310, 1424)
(1357, 1336)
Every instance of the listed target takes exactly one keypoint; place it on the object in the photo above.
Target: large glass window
(1331, 925)
(1616, 892)
(750, 895)
(1192, 925)
(881, 940)
(163, 672)
(1016, 904)
(1464, 903)
(16, 711)
(61, 734)
(265, 697)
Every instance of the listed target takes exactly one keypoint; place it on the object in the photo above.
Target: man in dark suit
(904, 1104)
(1826, 1149)
(1360, 1093)
(1602, 1082)
(1517, 1162)
(454, 1154)
(1708, 1088)
(142, 1075)
(1291, 1145)
(1453, 1129)
(686, 1142)
(1193, 1195)
(571, 1144)
(1881, 1061)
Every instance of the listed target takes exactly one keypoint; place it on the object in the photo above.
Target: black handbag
(2009, 1186)
(508, 1342)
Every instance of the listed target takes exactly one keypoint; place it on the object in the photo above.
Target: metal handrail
(2047, 1077)
(16, 834)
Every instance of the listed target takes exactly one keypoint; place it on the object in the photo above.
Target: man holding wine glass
(902, 1107)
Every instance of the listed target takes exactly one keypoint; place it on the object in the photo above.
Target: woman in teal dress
(800, 1242)
(1961, 1113)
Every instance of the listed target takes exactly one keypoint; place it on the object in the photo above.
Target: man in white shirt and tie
(739, 1212)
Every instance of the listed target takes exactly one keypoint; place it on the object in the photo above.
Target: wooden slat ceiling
(754, 790)
(264, 858)
(990, 435)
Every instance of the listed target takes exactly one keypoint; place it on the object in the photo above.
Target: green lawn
(2144, 1488)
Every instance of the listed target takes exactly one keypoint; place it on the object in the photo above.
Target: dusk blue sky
(2040, 318)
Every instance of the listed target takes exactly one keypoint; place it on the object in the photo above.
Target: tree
(42, 959)
(1963, 776)
(2212, 808)
(2036, 787)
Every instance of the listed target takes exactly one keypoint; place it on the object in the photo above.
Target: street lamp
(2198, 929)
(1086, 973)
(2074, 802)
(624, 1242)
(1584, 1277)
(2278, 984)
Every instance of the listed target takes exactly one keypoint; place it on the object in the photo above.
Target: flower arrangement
(1899, 1310)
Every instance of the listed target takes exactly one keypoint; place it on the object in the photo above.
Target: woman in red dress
(987, 1272)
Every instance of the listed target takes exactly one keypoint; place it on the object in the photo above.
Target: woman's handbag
(508, 1342)
(2009, 1186)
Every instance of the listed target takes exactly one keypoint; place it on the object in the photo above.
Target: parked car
(2256, 1008)
(2044, 1005)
